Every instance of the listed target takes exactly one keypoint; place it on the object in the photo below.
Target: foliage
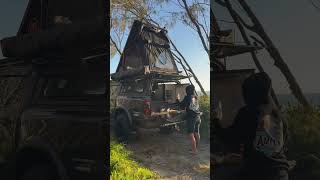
(204, 102)
(123, 13)
(122, 167)
(304, 130)
(304, 142)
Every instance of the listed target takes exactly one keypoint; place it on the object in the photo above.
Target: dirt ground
(169, 156)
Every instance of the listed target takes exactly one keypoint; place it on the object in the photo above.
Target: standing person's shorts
(193, 125)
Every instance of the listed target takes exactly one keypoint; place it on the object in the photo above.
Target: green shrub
(304, 142)
(204, 102)
(303, 130)
(122, 167)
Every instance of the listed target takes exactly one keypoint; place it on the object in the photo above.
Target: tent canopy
(147, 46)
(44, 13)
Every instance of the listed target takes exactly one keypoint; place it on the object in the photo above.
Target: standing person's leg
(190, 129)
(197, 133)
(193, 143)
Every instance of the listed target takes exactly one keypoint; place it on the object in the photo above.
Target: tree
(192, 13)
(195, 16)
(124, 12)
(258, 29)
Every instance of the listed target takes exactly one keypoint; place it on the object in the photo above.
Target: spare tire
(39, 171)
(122, 127)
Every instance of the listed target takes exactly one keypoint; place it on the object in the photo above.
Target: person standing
(191, 105)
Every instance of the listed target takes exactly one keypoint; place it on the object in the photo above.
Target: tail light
(147, 107)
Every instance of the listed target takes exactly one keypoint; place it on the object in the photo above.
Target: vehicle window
(69, 87)
(66, 12)
(169, 94)
(85, 79)
(164, 60)
(134, 88)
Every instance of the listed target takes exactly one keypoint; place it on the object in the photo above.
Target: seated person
(258, 133)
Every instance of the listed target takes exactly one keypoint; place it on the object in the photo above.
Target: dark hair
(190, 90)
(255, 89)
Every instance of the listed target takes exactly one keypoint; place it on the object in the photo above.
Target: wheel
(39, 172)
(122, 127)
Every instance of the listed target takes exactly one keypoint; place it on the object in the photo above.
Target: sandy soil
(169, 156)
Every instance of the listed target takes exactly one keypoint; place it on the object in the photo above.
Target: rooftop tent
(75, 10)
(147, 47)
(56, 28)
(45, 12)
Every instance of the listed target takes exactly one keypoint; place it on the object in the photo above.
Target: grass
(122, 167)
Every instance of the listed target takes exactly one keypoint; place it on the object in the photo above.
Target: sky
(293, 26)
(11, 13)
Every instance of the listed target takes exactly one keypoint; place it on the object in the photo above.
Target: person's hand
(178, 97)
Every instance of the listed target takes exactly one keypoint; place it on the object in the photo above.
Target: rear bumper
(143, 121)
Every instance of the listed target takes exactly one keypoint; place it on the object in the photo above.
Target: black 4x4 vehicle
(52, 96)
(149, 82)
(54, 119)
(147, 103)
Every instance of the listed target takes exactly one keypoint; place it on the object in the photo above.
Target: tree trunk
(214, 31)
(275, 54)
(248, 42)
(195, 23)
(189, 69)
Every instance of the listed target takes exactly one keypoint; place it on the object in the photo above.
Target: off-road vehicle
(149, 83)
(52, 96)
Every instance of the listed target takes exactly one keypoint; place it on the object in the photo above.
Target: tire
(122, 127)
(39, 172)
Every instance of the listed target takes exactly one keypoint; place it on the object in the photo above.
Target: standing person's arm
(184, 103)
(180, 104)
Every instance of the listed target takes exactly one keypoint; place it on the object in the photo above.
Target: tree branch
(275, 54)
(251, 28)
(258, 41)
(190, 70)
(196, 24)
(115, 45)
(314, 5)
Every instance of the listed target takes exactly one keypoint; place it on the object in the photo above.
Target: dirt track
(169, 156)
